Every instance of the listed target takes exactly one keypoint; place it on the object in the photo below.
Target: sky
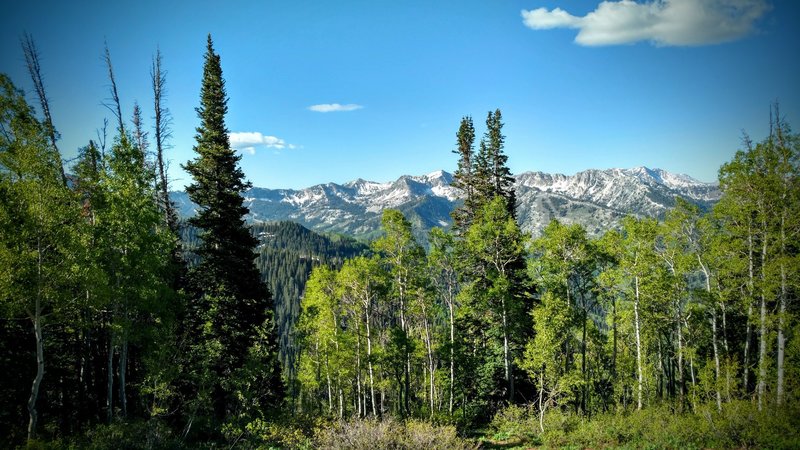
(323, 91)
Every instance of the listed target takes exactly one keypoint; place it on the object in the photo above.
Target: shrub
(131, 435)
(373, 434)
(515, 423)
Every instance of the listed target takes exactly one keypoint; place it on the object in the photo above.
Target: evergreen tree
(497, 296)
(501, 182)
(484, 175)
(228, 301)
(463, 177)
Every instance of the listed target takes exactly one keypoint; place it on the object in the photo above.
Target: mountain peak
(595, 198)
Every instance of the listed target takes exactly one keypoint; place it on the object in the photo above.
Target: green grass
(738, 425)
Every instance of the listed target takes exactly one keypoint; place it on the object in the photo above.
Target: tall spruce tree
(463, 178)
(229, 303)
(501, 182)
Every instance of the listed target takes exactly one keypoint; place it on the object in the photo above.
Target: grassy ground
(739, 425)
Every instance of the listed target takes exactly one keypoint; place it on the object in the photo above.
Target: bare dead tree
(114, 106)
(162, 134)
(35, 70)
(102, 137)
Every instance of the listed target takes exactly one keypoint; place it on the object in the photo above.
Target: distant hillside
(598, 199)
(287, 251)
(286, 254)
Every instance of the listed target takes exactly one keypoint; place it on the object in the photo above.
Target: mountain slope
(598, 199)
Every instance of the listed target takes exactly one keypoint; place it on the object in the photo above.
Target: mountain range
(597, 199)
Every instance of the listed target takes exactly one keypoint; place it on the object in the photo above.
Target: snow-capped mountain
(598, 199)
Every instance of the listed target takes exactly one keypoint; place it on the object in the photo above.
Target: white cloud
(247, 142)
(334, 107)
(662, 22)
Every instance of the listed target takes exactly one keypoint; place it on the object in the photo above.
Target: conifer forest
(125, 325)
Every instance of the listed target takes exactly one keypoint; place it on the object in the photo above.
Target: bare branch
(162, 133)
(35, 70)
(114, 107)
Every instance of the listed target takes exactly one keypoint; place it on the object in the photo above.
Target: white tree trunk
(679, 339)
(762, 347)
(37, 380)
(506, 359)
(431, 369)
(713, 319)
(781, 321)
(369, 364)
(638, 344)
(716, 359)
(452, 354)
(751, 292)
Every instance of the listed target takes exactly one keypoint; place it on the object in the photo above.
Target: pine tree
(501, 182)
(497, 245)
(484, 175)
(228, 300)
(463, 177)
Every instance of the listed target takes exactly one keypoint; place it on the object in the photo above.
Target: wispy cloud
(662, 22)
(334, 107)
(247, 142)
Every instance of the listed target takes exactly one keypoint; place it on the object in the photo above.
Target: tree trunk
(358, 371)
(679, 339)
(541, 407)
(110, 379)
(452, 354)
(327, 378)
(403, 326)
(748, 338)
(713, 319)
(781, 323)
(691, 371)
(123, 368)
(429, 348)
(161, 132)
(583, 359)
(638, 345)
(341, 403)
(614, 330)
(37, 380)
(716, 358)
(506, 360)
(369, 365)
(762, 350)
(751, 292)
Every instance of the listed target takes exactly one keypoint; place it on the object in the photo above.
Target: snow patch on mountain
(597, 199)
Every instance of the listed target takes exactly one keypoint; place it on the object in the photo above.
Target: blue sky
(581, 84)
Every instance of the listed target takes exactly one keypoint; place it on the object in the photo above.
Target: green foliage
(738, 425)
(514, 423)
(130, 435)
